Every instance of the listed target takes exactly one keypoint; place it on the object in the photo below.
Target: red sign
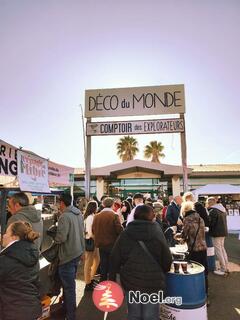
(108, 296)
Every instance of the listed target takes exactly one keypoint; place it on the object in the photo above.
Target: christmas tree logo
(108, 296)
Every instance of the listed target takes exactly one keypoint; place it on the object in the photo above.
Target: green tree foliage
(127, 148)
(154, 151)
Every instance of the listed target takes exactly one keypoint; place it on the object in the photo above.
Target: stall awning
(215, 189)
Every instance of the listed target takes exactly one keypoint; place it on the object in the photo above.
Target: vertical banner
(32, 172)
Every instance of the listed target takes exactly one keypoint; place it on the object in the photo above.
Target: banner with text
(32, 172)
(140, 101)
(8, 159)
(135, 127)
(59, 175)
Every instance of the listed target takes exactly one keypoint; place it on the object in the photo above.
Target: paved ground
(224, 293)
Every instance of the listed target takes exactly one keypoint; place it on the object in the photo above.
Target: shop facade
(153, 178)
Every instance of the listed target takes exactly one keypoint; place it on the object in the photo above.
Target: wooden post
(88, 164)
(184, 155)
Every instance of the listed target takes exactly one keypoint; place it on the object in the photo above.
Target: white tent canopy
(215, 189)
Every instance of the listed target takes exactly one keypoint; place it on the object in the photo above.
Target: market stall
(230, 198)
(26, 171)
(22, 170)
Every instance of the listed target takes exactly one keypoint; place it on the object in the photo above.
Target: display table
(233, 223)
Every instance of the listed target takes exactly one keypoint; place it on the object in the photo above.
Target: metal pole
(83, 131)
(87, 155)
(184, 156)
(88, 164)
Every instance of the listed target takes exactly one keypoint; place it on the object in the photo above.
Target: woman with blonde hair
(92, 258)
(193, 233)
(19, 273)
(199, 208)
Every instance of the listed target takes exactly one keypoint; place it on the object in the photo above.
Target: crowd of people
(114, 236)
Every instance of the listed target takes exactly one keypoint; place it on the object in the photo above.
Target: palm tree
(127, 148)
(154, 149)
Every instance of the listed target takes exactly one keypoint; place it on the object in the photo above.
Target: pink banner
(59, 175)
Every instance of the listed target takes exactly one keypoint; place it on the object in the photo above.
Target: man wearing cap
(138, 200)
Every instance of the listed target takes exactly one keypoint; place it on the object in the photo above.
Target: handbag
(51, 253)
(89, 244)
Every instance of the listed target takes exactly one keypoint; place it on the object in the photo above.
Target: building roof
(137, 165)
(79, 171)
(215, 169)
(134, 165)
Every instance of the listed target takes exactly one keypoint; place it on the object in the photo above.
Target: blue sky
(53, 50)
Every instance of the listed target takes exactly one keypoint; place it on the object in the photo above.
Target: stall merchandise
(229, 196)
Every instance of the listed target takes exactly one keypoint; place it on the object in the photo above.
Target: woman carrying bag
(193, 233)
(92, 258)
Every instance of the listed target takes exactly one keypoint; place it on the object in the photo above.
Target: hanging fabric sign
(32, 172)
(8, 159)
(59, 175)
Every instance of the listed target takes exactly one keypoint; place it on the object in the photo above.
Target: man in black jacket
(138, 271)
(218, 232)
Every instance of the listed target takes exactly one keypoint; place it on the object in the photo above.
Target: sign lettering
(135, 127)
(135, 101)
(32, 172)
(59, 175)
(8, 159)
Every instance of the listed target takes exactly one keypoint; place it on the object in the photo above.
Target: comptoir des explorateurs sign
(135, 127)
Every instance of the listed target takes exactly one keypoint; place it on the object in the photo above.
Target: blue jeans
(67, 273)
(140, 311)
